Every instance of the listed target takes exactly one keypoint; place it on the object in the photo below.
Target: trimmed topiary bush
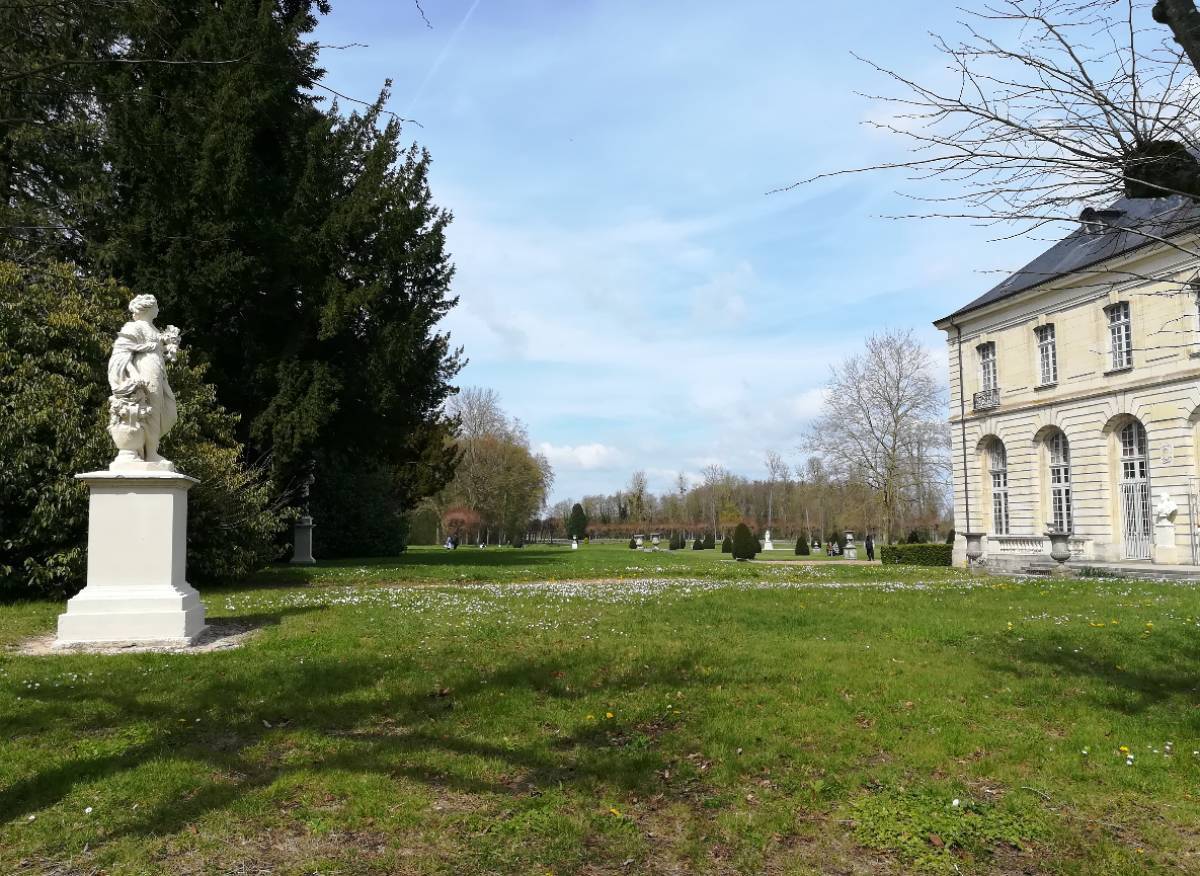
(633, 544)
(745, 545)
(914, 537)
(727, 545)
(916, 554)
(951, 536)
(698, 544)
(802, 549)
(710, 542)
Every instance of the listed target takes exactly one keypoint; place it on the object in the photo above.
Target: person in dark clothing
(869, 544)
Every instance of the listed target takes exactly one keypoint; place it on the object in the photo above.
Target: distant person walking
(869, 544)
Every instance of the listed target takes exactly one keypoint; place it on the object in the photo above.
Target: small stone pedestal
(768, 545)
(137, 589)
(302, 542)
(850, 552)
(1165, 552)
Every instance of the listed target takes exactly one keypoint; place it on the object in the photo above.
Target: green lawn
(700, 717)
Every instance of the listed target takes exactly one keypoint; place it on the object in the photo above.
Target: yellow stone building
(1075, 395)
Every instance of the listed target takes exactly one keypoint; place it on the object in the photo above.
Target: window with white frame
(1060, 482)
(1120, 335)
(987, 365)
(998, 468)
(1047, 354)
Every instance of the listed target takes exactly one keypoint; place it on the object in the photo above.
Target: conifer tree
(577, 523)
(745, 545)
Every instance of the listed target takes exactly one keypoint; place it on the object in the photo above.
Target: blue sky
(626, 284)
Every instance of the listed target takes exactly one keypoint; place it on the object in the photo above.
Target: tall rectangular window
(1120, 335)
(1047, 354)
(998, 466)
(987, 366)
(1060, 483)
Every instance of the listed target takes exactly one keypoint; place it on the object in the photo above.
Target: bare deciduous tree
(777, 471)
(878, 419)
(1050, 105)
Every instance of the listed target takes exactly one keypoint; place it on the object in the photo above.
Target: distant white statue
(142, 405)
(1165, 510)
(574, 542)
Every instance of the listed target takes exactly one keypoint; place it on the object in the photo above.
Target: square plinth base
(167, 614)
(136, 589)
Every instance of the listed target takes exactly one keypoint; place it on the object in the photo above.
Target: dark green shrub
(577, 522)
(916, 554)
(356, 510)
(951, 536)
(56, 333)
(914, 537)
(745, 545)
(698, 544)
(802, 549)
(727, 545)
(633, 543)
(710, 542)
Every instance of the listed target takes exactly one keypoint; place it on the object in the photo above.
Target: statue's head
(144, 306)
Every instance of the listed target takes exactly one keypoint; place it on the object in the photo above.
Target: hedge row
(916, 554)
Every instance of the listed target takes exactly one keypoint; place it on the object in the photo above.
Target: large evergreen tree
(184, 149)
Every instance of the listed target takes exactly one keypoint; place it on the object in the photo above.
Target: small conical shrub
(710, 542)
(914, 537)
(633, 544)
(802, 546)
(727, 545)
(950, 537)
(745, 545)
(698, 545)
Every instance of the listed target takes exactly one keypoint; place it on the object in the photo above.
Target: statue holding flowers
(142, 405)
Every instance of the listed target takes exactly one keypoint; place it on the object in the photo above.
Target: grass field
(699, 716)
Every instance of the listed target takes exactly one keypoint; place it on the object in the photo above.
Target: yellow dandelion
(615, 811)
(609, 715)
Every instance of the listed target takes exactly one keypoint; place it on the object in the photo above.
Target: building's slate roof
(1139, 222)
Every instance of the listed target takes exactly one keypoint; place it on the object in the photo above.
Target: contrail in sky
(442, 55)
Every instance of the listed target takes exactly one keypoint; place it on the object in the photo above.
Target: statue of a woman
(142, 405)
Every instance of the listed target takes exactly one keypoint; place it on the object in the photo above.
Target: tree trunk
(1183, 18)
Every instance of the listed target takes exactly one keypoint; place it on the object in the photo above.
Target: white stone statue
(142, 405)
(1164, 511)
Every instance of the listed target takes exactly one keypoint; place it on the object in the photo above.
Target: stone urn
(1060, 548)
(974, 547)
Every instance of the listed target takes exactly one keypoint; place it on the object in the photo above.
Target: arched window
(998, 469)
(1135, 490)
(1060, 482)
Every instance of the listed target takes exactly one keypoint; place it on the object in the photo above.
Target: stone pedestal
(302, 541)
(137, 590)
(768, 545)
(850, 552)
(1164, 543)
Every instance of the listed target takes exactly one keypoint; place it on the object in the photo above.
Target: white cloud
(584, 457)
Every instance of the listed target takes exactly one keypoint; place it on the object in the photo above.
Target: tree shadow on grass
(1147, 672)
(381, 728)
